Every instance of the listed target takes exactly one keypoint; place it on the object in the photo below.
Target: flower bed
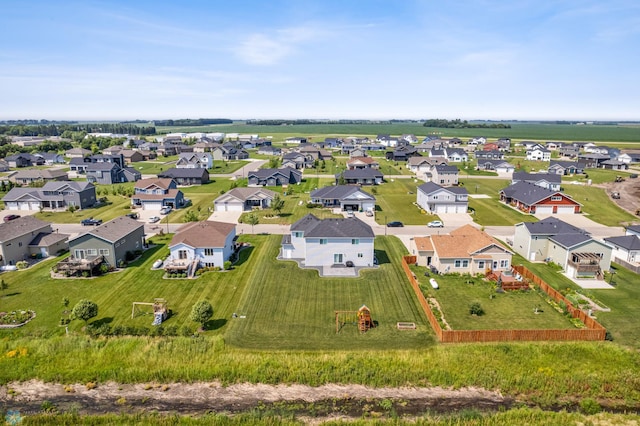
(16, 318)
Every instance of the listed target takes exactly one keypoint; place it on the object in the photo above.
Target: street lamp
(385, 225)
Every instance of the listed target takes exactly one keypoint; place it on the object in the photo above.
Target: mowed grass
(394, 202)
(511, 310)
(597, 205)
(290, 308)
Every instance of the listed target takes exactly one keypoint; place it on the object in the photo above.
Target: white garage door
(151, 206)
(24, 206)
(368, 206)
(544, 210)
(228, 207)
(565, 209)
(442, 208)
(34, 205)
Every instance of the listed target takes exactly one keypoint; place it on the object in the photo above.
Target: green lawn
(490, 211)
(511, 310)
(597, 205)
(394, 202)
(290, 308)
(117, 205)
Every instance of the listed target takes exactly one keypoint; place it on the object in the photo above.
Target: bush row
(122, 330)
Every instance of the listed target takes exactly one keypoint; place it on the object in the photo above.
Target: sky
(320, 59)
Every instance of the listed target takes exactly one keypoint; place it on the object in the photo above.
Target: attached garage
(152, 205)
(566, 209)
(544, 209)
(229, 206)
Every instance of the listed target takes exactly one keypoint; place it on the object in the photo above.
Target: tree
(277, 204)
(252, 220)
(342, 180)
(3, 286)
(191, 216)
(65, 302)
(85, 310)
(201, 313)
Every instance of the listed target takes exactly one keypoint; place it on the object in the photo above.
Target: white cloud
(260, 49)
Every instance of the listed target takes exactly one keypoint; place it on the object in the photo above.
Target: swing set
(361, 318)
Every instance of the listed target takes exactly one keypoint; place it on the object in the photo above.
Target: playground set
(160, 310)
(361, 318)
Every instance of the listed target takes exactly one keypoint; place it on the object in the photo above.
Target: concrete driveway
(582, 221)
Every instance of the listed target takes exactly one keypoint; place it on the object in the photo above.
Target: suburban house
(269, 150)
(23, 160)
(553, 240)
(49, 158)
(297, 160)
(53, 195)
(186, 176)
(27, 236)
(228, 152)
(326, 242)
(194, 160)
(538, 153)
(626, 250)
(591, 161)
(563, 168)
(77, 153)
(499, 166)
(109, 242)
(296, 140)
(4, 166)
(131, 156)
(108, 173)
(465, 250)
(274, 177)
(435, 199)
(362, 163)
(31, 176)
(444, 175)
(633, 230)
(533, 199)
(244, 199)
(456, 155)
(366, 176)
(489, 155)
(156, 193)
(421, 165)
(569, 151)
(545, 180)
(614, 165)
(345, 197)
(201, 244)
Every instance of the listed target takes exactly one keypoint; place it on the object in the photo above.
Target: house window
(457, 263)
(360, 255)
(297, 234)
(208, 252)
(182, 254)
(556, 198)
(92, 252)
(481, 264)
(465, 263)
(323, 241)
(504, 263)
(104, 252)
(355, 241)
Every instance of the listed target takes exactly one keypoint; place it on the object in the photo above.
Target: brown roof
(462, 242)
(366, 160)
(423, 243)
(150, 197)
(159, 182)
(203, 234)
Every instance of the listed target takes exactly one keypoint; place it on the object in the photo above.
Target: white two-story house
(326, 242)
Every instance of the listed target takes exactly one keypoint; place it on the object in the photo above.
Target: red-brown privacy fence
(593, 330)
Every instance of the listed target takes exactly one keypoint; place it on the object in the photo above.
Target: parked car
(91, 222)
(350, 213)
(369, 213)
(615, 195)
(395, 224)
(165, 210)
(154, 219)
(133, 215)
(10, 217)
(633, 175)
(435, 224)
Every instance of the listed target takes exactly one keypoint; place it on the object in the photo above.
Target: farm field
(511, 310)
(518, 130)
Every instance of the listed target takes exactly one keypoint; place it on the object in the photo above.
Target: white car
(435, 224)
(350, 213)
(154, 219)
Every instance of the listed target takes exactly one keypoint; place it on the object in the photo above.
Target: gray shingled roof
(338, 192)
(367, 173)
(570, 240)
(184, 173)
(332, 228)
(529, 193)
(551, 226)
(536, 177)
(20, 226)
(628, 242)
(430, 187)
(115, 229)
(443, 168)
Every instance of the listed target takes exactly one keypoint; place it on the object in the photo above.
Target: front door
(337, 258)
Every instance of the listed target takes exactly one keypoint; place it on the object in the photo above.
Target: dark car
(91, 222)
(633, 176)
(395, 224)
(10, 217)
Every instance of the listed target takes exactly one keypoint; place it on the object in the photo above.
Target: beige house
(27, 236)
(464, 250)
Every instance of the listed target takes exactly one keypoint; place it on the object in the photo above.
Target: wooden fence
(593, 330)
(630, 266)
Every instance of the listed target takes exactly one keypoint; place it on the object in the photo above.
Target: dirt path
(200, 398)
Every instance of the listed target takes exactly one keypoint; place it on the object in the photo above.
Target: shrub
(589, 406)
(476, 309)
(227, 265)
(22, 264)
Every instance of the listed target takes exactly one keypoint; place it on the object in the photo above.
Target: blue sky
(320, 59)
